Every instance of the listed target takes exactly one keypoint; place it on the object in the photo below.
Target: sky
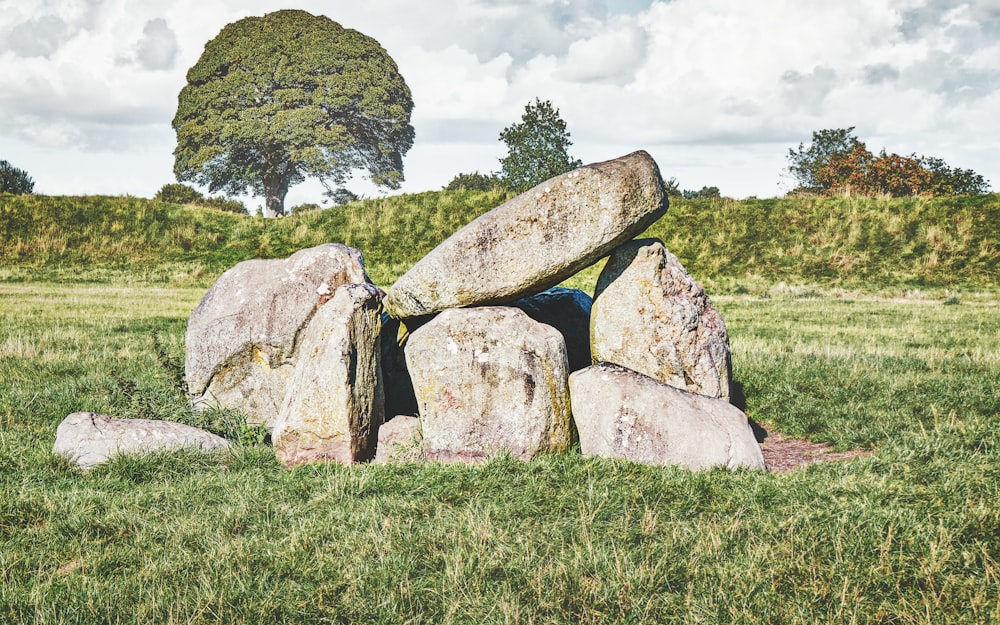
(717, 91)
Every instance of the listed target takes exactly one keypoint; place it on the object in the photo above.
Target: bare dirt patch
(783, 454)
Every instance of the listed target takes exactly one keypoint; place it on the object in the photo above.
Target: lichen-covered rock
(400, 440)
(334, 404)
(88, 438)
(241, 339)
(650, 315)
(536, 239)
(489, 379)
(621, 413)
(566, 310)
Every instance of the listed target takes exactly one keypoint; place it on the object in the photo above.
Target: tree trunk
(275, 190)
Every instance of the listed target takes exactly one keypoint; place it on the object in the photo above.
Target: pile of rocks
(475, 350)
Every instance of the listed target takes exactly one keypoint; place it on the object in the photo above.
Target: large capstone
(334, 405)
(650, 315)
(487, 380)
(621, 413)
(535, 240)
(242, 338)
(88, 438)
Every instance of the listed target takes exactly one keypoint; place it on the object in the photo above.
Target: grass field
(908, 534)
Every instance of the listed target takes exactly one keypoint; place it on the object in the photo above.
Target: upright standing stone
(535, 240)
(651, 316)
(489, 379)
(334, 404)
(242, 338)
(621, 413)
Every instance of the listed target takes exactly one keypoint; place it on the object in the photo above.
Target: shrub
(178, 193)
(474, 182)
(223, 204)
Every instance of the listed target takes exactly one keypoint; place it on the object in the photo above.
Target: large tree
(290, 95)
(536, 147)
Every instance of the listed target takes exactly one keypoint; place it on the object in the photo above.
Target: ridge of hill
(948, 242)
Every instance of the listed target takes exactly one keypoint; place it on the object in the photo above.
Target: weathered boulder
(242, 337)
(621, 413)
(334, 404)
(536, 239)
(88, 438)
(566, 310)
(489, 379)
(400, 440)
(651, 316)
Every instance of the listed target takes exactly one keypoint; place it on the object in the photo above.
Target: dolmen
(475, 351)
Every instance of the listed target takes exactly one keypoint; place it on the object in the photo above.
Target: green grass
(909, 534)
(731, 246)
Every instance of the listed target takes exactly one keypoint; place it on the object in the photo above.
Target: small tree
(290, 95)
(673, 189)
(536, 147)
(806, 164)
(14, 180)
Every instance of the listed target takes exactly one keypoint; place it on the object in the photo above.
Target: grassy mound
(851, 242)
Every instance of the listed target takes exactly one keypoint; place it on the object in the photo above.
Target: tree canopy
(14, 180)
(290, 95)
(537, 147)
(837, 162)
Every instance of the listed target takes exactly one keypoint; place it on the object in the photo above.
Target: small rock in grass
(88, 438)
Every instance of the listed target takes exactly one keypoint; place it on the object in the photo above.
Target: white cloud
(158, 47)
(683, 78)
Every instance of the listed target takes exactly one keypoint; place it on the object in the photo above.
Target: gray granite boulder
(489, 379)
(400, 440)
(621, 413)
(535, 240)
(88, 438)
(566, 310)
(334, 404)
(650, 315)
(242, 338)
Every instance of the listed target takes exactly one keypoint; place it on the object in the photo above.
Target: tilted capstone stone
(334, 404)
(242, 338)
(88, 438)
(650, 315)
(621, 413)
(489, 379)
(535, 240)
